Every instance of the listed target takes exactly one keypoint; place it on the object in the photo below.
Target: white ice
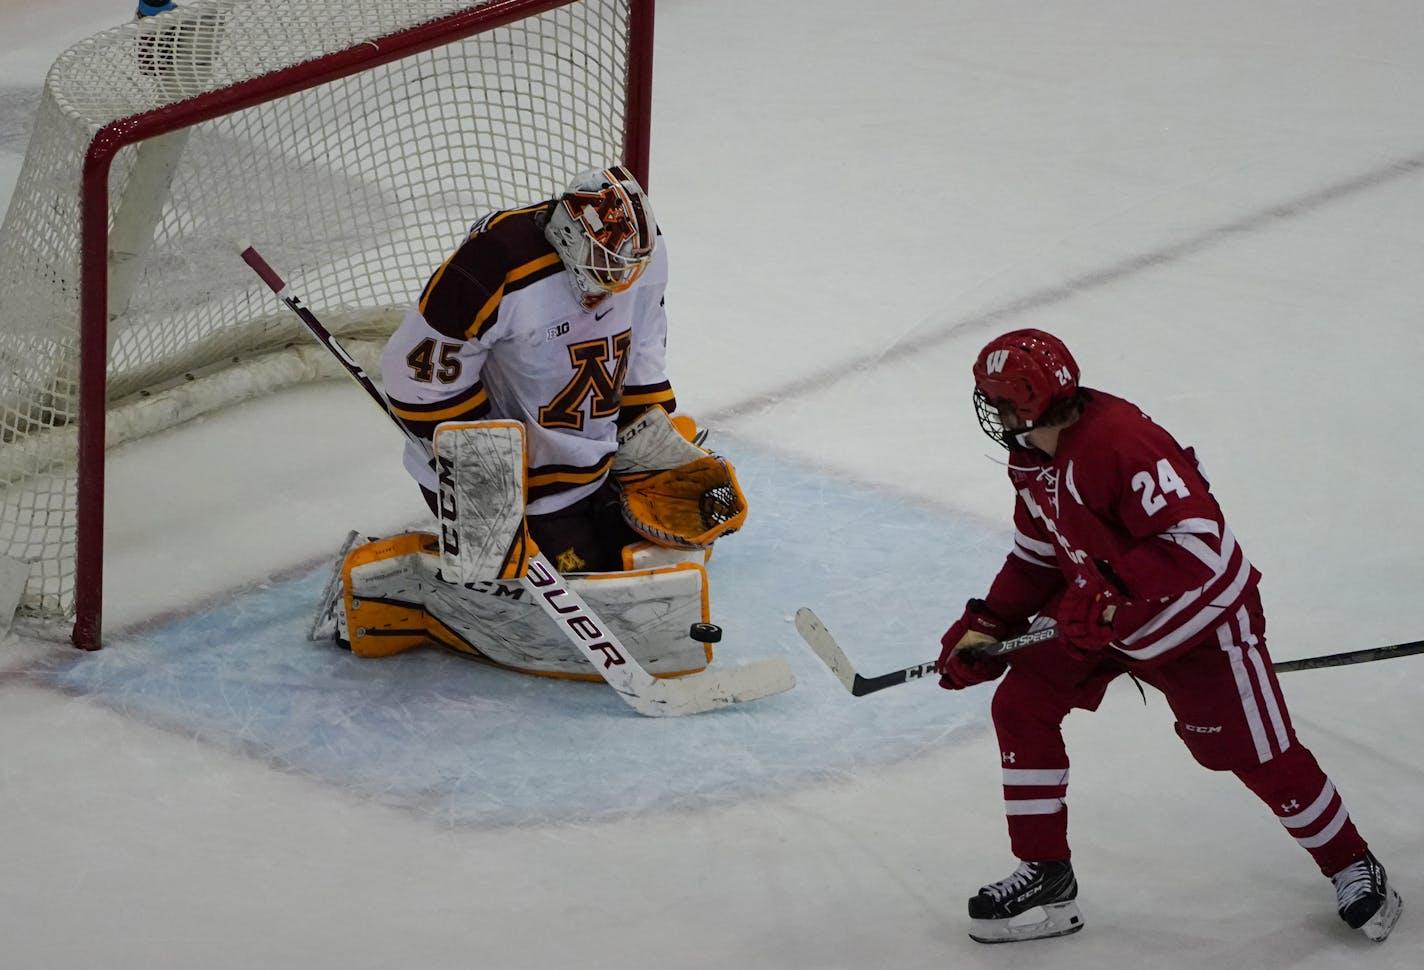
(1219, 205)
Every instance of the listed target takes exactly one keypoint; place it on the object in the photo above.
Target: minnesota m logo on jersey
(594, 380)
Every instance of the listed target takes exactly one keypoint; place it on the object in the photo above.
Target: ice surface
(1219, 205)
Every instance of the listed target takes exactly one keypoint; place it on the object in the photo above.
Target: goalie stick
(646, 694)
(819, 639)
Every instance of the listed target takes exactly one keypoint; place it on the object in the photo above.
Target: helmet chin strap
(1018, 436)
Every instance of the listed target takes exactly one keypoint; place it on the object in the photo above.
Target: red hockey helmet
(1024, 373)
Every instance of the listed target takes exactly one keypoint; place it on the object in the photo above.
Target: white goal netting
(355, 187)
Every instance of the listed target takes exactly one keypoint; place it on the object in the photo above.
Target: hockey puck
(705, 632)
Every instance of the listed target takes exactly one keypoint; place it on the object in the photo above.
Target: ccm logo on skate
(1198, 729)
(573, 615)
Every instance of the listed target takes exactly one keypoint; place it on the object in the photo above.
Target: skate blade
(1056, 919)
(324, 623)
(1379, 926)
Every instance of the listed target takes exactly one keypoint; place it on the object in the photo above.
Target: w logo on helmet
(1018, 378)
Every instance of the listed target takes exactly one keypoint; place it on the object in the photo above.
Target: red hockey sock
(1307, 804)
(1028, 720)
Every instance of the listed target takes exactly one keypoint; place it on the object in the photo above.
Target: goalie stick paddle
(646, 694)
(819, 639)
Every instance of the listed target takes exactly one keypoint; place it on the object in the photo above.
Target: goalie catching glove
(674, 493)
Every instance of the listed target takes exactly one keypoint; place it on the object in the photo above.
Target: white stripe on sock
(1033, 806)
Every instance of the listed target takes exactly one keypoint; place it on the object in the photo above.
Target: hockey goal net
(353, 141)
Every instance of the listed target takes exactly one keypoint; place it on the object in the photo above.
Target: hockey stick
(1352, 657)
(814, 632)
(646, 694)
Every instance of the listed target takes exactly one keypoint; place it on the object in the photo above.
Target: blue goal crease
(476, 744)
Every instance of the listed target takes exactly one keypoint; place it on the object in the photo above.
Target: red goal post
(354, 139)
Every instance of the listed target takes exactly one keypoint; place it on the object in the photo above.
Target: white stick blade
(712, 689)
(642, 691)
(819, 639)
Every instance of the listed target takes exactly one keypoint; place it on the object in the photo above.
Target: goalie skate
(329, 623)
(1036, 902)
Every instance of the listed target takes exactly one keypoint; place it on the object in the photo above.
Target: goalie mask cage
(353, 141)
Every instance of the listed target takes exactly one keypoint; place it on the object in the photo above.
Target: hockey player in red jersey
(1119, 541)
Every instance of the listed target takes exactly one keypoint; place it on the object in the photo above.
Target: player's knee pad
(1276, 778)
(1212, 751)
(1044, 683)
(1222, 737)
(1220, 747)
(1024, 701)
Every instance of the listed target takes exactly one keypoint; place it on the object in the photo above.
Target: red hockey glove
(960, 665)
(1085, 617)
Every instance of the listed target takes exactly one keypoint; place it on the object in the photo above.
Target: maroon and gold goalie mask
(602, 228)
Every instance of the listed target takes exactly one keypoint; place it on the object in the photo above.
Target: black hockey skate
(1034, 903)
(1366, 900)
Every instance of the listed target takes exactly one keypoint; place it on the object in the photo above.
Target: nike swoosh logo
(600, 316)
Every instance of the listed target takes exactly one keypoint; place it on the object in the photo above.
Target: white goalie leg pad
(651, 611)
(652, 443)
(481, 468)
(1038, 923)
(391, 596)
(387, 584)
(406, 579)
(650, 555)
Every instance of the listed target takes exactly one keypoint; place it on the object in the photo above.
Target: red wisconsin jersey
(1122, 503)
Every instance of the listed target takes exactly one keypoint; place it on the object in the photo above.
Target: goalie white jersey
(501, 332)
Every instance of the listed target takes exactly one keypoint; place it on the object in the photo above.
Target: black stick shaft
(814, 632)
(869, 685)
(1352, 657)
(324, 336)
